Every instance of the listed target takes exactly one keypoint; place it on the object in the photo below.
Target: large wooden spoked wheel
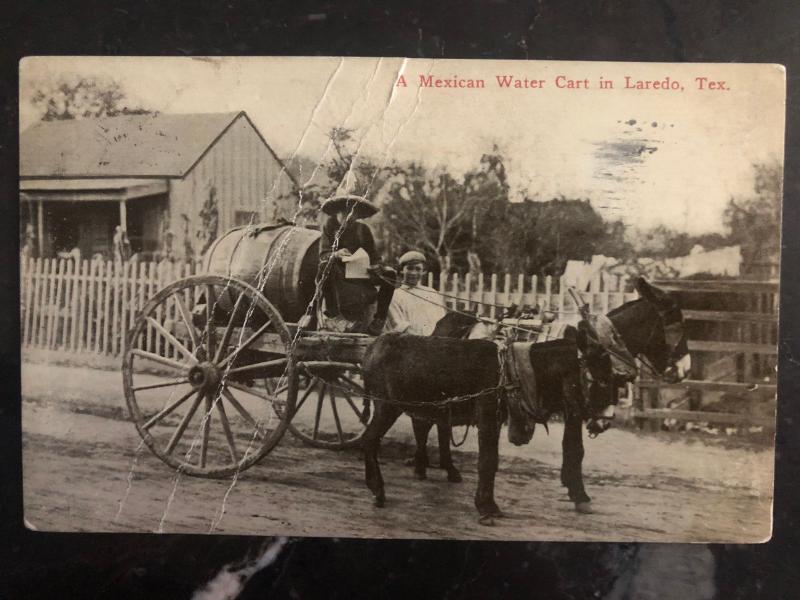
(329, 407)
(192, 371)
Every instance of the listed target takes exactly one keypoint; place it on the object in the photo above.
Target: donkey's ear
(642, 287)
(650, 292)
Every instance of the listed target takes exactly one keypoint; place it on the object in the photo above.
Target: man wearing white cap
(415, 308)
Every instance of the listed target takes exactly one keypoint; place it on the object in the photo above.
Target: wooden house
(172, 182)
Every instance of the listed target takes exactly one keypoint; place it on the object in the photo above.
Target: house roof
(155, 145)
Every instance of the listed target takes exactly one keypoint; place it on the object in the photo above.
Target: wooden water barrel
(280, 260)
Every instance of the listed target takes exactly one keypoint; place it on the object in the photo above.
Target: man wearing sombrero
(348, 302)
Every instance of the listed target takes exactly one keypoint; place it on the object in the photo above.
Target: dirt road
(85, 470)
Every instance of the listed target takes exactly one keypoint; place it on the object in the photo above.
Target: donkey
(415, 375)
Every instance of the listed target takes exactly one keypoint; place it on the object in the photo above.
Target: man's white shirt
(415, 310)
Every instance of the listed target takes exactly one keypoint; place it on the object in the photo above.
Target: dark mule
(457, 325)
(415, 374)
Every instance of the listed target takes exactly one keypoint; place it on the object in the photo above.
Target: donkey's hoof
(421, 475)
(584, 507)
(380, 502)
(453, 476)
(486, 520)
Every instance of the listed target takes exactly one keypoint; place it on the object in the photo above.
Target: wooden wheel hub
(204, 376)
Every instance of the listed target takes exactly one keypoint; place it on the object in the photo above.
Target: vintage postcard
(400, 298)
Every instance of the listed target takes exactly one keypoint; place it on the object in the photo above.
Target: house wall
(245, 177)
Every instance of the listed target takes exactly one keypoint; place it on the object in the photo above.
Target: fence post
(493, 301)
(30, 336)
(52, 268)
(506, 290)
(91, 321)
(69, 324)
(548, 290)
(97, 329)
(75, 339)
(105, 345)
(481, 300)
(116, 319)
(55, 306)
(26, 291)
(455, 291)
(468, 290)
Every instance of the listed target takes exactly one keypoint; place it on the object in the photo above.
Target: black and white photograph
(400, 298)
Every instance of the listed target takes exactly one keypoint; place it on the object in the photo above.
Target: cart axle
(204, 376)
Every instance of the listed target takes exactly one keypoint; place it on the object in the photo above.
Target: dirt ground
(86, 470)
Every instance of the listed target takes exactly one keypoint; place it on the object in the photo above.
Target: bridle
(671, 346)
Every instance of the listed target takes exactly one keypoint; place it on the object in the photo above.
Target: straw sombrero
(361, 207)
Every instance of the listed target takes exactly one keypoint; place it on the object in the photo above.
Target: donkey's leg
(385, 416)
(571, 467)
(444, 434)
(488, 440)
(421, 430)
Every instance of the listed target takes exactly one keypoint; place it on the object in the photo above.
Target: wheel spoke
(354, 384)
(187, 319)
(226, 336)
(160, 359)
(323, 389)
(306, 394)
(206, 431)
(352, 404)
(339, 432)
(259, 332)
(176, 437)
(243, 411)
(153, 386)
(172, 340)
(250, 390)
(167, 410)
(228, 433)
(211, 304)
(262, 365)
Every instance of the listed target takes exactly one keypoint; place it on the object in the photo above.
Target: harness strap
(519, 379)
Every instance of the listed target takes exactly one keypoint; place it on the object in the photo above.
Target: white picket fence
(87, 306)
(488, 294)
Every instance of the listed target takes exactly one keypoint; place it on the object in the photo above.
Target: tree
(664, 242)
(346, 172)
(755, 222)
(76, 97)
(442, 215)
(533, 237)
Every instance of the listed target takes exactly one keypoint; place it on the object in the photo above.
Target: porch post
(123, 215)
(40, 226)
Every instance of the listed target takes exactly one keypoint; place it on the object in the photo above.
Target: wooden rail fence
(734, 356)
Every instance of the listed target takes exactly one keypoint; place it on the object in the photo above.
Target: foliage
(754, 222)
(73, 97)
(443, 215)
(539, 237)
(664, 242)
(346, 172)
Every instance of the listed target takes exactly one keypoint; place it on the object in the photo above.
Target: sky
(646, 156)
